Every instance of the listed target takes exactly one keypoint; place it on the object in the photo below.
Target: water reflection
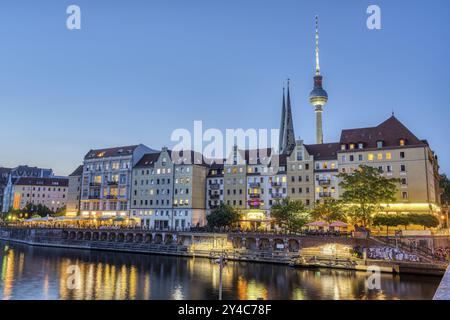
(44, 273)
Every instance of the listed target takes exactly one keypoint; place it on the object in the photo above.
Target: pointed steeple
(283, 115)
(288, 132)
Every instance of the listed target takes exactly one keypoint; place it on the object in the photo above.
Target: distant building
(74, 192)
(4, 174)
(50, 192)
(14, 175)
(106, 180)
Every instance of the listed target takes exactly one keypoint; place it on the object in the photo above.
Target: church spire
(288, 127)
(283, 115)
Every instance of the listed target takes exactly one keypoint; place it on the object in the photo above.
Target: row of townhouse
(166, 189)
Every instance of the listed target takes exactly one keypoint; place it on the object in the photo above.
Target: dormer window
(352, 146)
(402, 142)
(360, 145)
(343, 147)
(380, 144)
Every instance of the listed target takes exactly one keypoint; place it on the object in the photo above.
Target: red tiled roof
(390, 132)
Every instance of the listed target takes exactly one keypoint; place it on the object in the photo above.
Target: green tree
(364, 192)
(290, 215)
(444, 183)
(223, 216)
(424, 220)
(330, 210)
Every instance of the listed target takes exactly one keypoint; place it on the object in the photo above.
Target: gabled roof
(148, 160)
(324, 151)
(390, 132)
(77, 172)
(48, 182)
(110, 152)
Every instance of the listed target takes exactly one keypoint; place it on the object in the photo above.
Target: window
(360, 145)
(370, 157)
(379, 144)
(402, 142)
(380, 156)
(404, 181)
(352, 157)
(388, 156)
(352, 146)
(405, 195)
(402, 155)
(388, 169)
(360, 157)
(343, 147)
(402, 168)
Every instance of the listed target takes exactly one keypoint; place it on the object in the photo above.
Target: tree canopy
(330, 210)
(365, 190)
(290, 215)
(223, 216)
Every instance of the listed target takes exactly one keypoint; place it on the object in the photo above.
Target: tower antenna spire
(317, 47)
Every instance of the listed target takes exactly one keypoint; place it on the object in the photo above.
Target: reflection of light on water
(177, 293)
(147, 286)
(256, 290)
(8, 273)
(298, 294)
(133, 282)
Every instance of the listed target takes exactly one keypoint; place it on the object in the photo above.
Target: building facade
(50, 192)
(14, 175)
(168, 190)
(74, 192)
(106, 180)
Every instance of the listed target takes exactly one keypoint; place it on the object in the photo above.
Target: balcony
(277, 195)
(254, 195)
(324, 182)
(325, 194)
(276, 184)
(214, 186)
(255, 185)
(113, 183)
(111, 197)
(95, 184)
(214, 196)
(94, 197)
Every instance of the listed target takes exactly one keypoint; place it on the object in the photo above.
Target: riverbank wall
(297, 251)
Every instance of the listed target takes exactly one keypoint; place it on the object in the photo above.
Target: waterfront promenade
(345, 252)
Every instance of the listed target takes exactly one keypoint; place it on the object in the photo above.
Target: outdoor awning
(317, 224)
(339, 224)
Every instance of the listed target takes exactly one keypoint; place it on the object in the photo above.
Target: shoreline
(294, 261)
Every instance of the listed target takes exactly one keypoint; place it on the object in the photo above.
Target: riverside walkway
(295, 250)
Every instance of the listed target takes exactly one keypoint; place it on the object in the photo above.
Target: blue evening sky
(137, 70)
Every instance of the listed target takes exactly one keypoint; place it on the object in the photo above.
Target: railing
(277, 195)
(113, 183)
(255, 184)
(254, 195)
(214, 196)
(94, 197)
(214, 186)
(95, 184)
(325, 194)
(276, 184)
(324, 182)
(110, 196)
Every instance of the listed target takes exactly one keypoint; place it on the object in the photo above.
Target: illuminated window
(249, 170)
(343, 147)
(402, 142)
(325, 165)
(360, 145)
(352, 146)
(318, 189)
(234, 170)
(388, 156)
(283, 179)
(370, 157)
(333, 165)
(380, 156)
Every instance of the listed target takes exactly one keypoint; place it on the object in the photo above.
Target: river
(39, 273)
